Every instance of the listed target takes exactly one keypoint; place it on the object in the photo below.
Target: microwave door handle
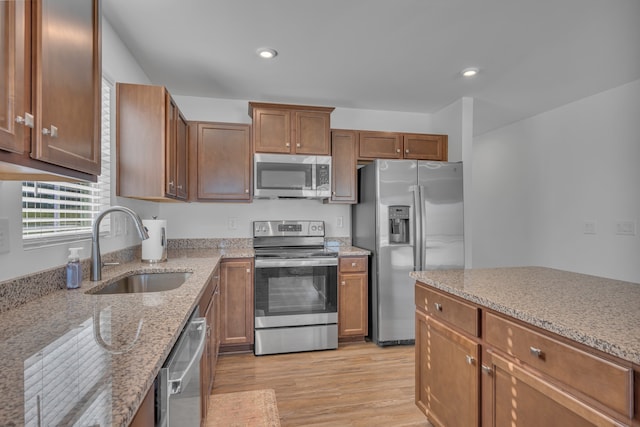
(175, 386)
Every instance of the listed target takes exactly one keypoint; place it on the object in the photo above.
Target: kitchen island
(527, 344)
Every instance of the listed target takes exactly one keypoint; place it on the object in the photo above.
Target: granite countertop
(53, 364)
(601, 313)
(352, 251)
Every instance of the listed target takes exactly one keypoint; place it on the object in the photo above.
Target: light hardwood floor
(360, 384)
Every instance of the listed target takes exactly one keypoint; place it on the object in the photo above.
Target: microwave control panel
(323, 177)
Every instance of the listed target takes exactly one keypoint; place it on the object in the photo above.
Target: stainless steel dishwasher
(178, 383)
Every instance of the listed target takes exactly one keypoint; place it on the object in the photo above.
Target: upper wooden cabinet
(50, 102)
(220, 161)
(290, 129)
(151, 140)
(343, 166)
(392, 145)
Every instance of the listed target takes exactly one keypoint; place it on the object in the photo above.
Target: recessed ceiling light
(469, 72)
(267, 53)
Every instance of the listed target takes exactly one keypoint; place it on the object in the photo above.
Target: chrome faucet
(96, 260)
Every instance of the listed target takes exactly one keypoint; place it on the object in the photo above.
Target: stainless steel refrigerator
(410, 216)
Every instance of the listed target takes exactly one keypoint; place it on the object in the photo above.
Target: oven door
(296, 292)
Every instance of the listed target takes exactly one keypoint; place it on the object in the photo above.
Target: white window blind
(55, 212)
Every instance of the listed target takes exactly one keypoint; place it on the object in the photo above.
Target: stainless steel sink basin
(144, 282)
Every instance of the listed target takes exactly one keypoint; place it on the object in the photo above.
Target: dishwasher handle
(175, 384)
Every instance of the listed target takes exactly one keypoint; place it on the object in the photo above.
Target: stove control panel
(288, 228)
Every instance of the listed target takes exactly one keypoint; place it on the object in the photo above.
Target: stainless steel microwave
(291, 176)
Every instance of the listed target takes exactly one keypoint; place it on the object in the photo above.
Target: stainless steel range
(296, 288)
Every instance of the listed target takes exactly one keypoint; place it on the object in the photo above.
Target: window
(55, 212)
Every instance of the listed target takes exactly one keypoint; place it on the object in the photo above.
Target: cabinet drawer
(607, 382)
(352, 265)
(457, 313)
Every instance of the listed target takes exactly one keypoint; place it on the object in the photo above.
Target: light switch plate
(4, 236)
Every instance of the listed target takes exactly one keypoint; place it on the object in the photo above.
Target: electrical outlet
(626, 228)
(4, 235)
(339, 222)
(589, 227)
(232, 223)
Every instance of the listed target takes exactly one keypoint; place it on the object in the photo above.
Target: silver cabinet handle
(470, 359)
(486, 370)
(535, 352)
(171, 184)
(298, 145)
(179, 187)
(248, 270)
(353, 264)
(397, 150)
(246, 190)
(27, 120)
(53, 131)
(287, 145)
(438, 306)
(406, 151)
(343, 283)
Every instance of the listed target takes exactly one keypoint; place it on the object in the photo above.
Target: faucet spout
(96, 259)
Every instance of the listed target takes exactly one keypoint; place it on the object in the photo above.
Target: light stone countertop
(52, 363)
(598, 312)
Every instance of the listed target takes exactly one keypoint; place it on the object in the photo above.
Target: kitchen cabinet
(220, 162)
(236, 305)
(209, 307)
(447, 368)
(151, 141)
(353, 300)
(505, 371)
(291, 129)
(393, 145)
(344, 167)
(50, 102)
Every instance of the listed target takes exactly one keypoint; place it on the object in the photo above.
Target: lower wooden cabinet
(210, 310)
(447, 374)
(512, 374)
(353, 301)
(236, 304)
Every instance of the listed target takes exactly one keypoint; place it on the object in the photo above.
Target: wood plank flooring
(360, 384)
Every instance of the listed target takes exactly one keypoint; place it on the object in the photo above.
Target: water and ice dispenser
(399, 224)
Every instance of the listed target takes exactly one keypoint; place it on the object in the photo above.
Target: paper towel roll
(154, 249)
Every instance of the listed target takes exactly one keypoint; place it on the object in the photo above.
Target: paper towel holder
(155, 249)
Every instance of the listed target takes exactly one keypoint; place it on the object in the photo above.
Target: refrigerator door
(442, 222)
(395, 322)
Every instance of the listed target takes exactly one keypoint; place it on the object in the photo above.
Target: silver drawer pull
(535, 352)
(470, 359)
(353, 264)
(438, 306)
(486, 370)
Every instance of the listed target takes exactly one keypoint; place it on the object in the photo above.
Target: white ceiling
(395, 55)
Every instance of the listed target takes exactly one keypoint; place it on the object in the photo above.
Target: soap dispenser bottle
(74, 269)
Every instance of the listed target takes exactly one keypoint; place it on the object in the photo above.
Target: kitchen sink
(144, 282)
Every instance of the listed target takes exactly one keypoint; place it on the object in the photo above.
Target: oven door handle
(295, 262)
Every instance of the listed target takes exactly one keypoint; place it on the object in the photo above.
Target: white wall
(118, 65)
(537, 181)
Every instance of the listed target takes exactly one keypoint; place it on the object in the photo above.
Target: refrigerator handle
(423, 228)
(417, 232)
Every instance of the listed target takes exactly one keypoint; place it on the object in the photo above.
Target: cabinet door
(524, 399)
(67, 133)
(272, 130)
(447, 374)
(343, 166)
(379, 145)
(352, 305)
(171, 148)
(14, 82)
(236, 298)
(425, 147)
(181, 157)
(312, 133)
(222, 161)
